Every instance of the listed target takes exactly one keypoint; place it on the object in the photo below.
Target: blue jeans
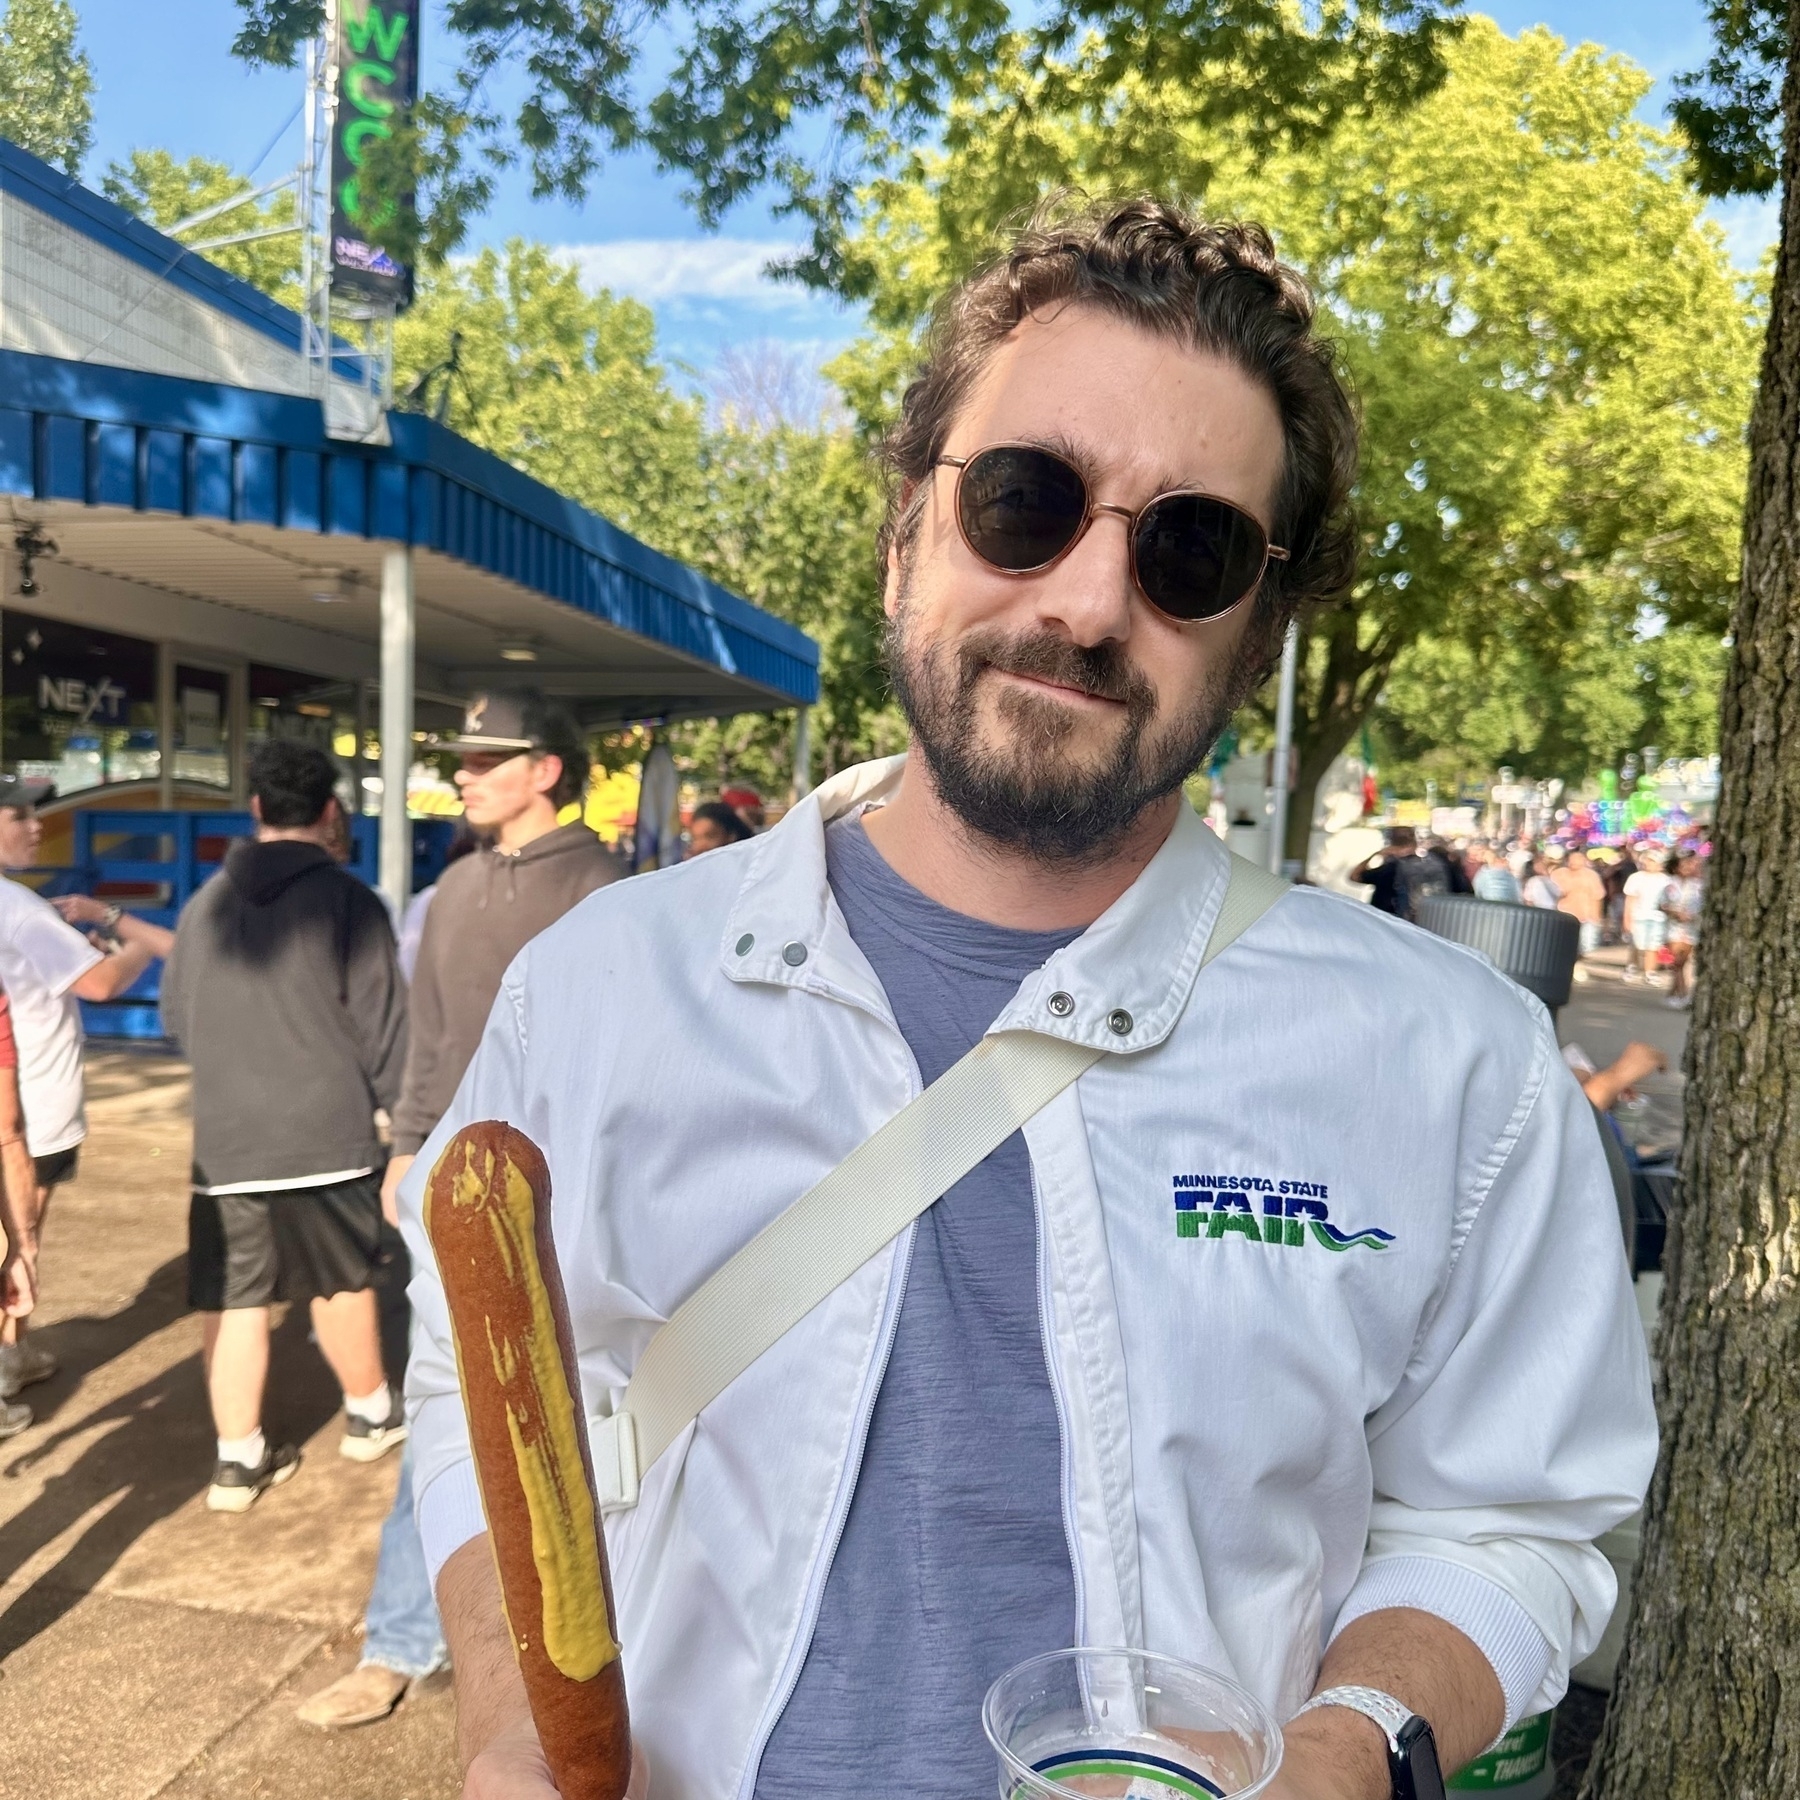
(401, 1629)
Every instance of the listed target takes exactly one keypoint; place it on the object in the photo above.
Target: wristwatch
(1412, 1750)
(114, 913)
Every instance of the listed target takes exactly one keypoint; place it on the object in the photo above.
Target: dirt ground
(147, 1646)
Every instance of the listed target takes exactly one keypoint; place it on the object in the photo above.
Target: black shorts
(294, 1244)
(58, 1166)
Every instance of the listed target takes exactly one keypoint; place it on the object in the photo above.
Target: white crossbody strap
(820, 1241)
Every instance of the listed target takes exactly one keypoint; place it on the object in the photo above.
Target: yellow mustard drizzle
(541, 1418)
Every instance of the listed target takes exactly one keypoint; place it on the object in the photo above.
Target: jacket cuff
(406, 1143)
(1485, 1613)
(449, 1514)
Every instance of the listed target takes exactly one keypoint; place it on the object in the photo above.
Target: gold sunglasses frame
(1271, 552)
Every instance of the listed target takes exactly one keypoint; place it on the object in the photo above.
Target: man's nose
(1090, 593)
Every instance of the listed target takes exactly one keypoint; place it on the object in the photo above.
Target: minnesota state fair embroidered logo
(1290, 1214)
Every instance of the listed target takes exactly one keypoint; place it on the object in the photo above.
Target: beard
(1036, 792)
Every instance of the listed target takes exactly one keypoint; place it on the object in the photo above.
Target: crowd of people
(1646, 896)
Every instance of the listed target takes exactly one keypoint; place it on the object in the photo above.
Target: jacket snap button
(1062, 1004)
(746, 943)
(793, 955)
(1119, 1021)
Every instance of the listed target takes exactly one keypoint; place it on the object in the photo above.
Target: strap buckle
(613, 1443)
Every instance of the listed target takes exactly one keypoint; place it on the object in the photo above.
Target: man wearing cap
(522, 762)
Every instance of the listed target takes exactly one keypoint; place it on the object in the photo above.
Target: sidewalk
(147, 1646)
(1606, 1012)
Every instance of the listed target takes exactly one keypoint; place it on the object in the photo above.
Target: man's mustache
(1102, 670)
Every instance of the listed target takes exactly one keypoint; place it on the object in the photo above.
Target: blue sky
(182, 90)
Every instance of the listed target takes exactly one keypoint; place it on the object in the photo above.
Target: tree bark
(1707, 1705)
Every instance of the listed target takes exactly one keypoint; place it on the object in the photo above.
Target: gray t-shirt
(954, 1563)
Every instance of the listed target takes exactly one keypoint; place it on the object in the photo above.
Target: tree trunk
(1329, 711)
(1707, 1705)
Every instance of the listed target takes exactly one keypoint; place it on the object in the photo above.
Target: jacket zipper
(815, 1590)
(1053, 1369)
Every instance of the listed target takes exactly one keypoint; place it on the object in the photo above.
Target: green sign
(374, 82)
(1515, 1762)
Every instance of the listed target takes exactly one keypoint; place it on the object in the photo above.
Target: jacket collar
(1120, 986)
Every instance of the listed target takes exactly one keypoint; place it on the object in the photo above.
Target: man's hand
(390, 1188)
(495, 1736)
(512, 1767)
(81, 909)
(1607, 1087)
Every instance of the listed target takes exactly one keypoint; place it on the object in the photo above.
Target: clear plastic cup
(1127, 1725)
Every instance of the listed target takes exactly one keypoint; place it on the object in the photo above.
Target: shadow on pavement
(157, 1450)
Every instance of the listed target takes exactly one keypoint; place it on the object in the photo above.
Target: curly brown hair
(1217, 288)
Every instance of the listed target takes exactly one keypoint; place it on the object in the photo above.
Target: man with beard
(1194, 1361)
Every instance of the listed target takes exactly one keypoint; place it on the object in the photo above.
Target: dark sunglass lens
(1020, 509)
(1197, 557)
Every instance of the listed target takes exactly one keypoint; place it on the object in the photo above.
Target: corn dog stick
(487, 1213)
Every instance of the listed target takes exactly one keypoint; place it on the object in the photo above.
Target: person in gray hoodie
(523, 762)
(284, 992)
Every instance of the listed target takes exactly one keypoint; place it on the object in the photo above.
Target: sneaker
(236, 1487)
(364, 1442)
(362, 1697)
(1679, 1002)
(13, 1418)
(1632, 974)
(23, 1363)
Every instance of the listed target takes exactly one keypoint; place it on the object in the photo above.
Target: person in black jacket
(285, 993)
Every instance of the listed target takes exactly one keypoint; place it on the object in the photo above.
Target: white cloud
(660, 271)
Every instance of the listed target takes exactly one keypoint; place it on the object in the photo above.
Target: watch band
(1413, 1767)
(1390, 1714)
(114, 913)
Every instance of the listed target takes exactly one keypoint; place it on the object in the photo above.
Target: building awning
(237, 497)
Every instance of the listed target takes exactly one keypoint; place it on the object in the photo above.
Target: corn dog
(487, 1213)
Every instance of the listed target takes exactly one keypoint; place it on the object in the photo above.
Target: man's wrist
(1335, 1754)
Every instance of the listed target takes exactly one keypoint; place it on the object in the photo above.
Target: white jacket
(1426, 1386)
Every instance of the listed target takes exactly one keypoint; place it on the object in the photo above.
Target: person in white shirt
(1269, 1398)
(1646, 924)
(47, 967)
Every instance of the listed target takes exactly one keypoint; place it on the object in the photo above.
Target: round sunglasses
(1021, 509)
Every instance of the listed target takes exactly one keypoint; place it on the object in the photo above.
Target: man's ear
(256, 808)
(546, 772)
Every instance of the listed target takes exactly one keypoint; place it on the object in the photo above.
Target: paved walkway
(147, 1646)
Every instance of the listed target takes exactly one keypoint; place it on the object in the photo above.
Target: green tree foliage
(1730, 110)
(1553, 355)
(46, 83)
(162, 191)
(809, 97)
(565, 384)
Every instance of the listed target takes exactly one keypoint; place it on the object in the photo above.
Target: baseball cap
(16, 791)
(510, 723)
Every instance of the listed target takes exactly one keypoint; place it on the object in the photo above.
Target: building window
(77, 705)
(202, 726)
(305, 709)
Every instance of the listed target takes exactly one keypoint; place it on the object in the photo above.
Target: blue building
(208, 540)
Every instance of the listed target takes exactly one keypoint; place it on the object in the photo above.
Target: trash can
(1535, 946)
